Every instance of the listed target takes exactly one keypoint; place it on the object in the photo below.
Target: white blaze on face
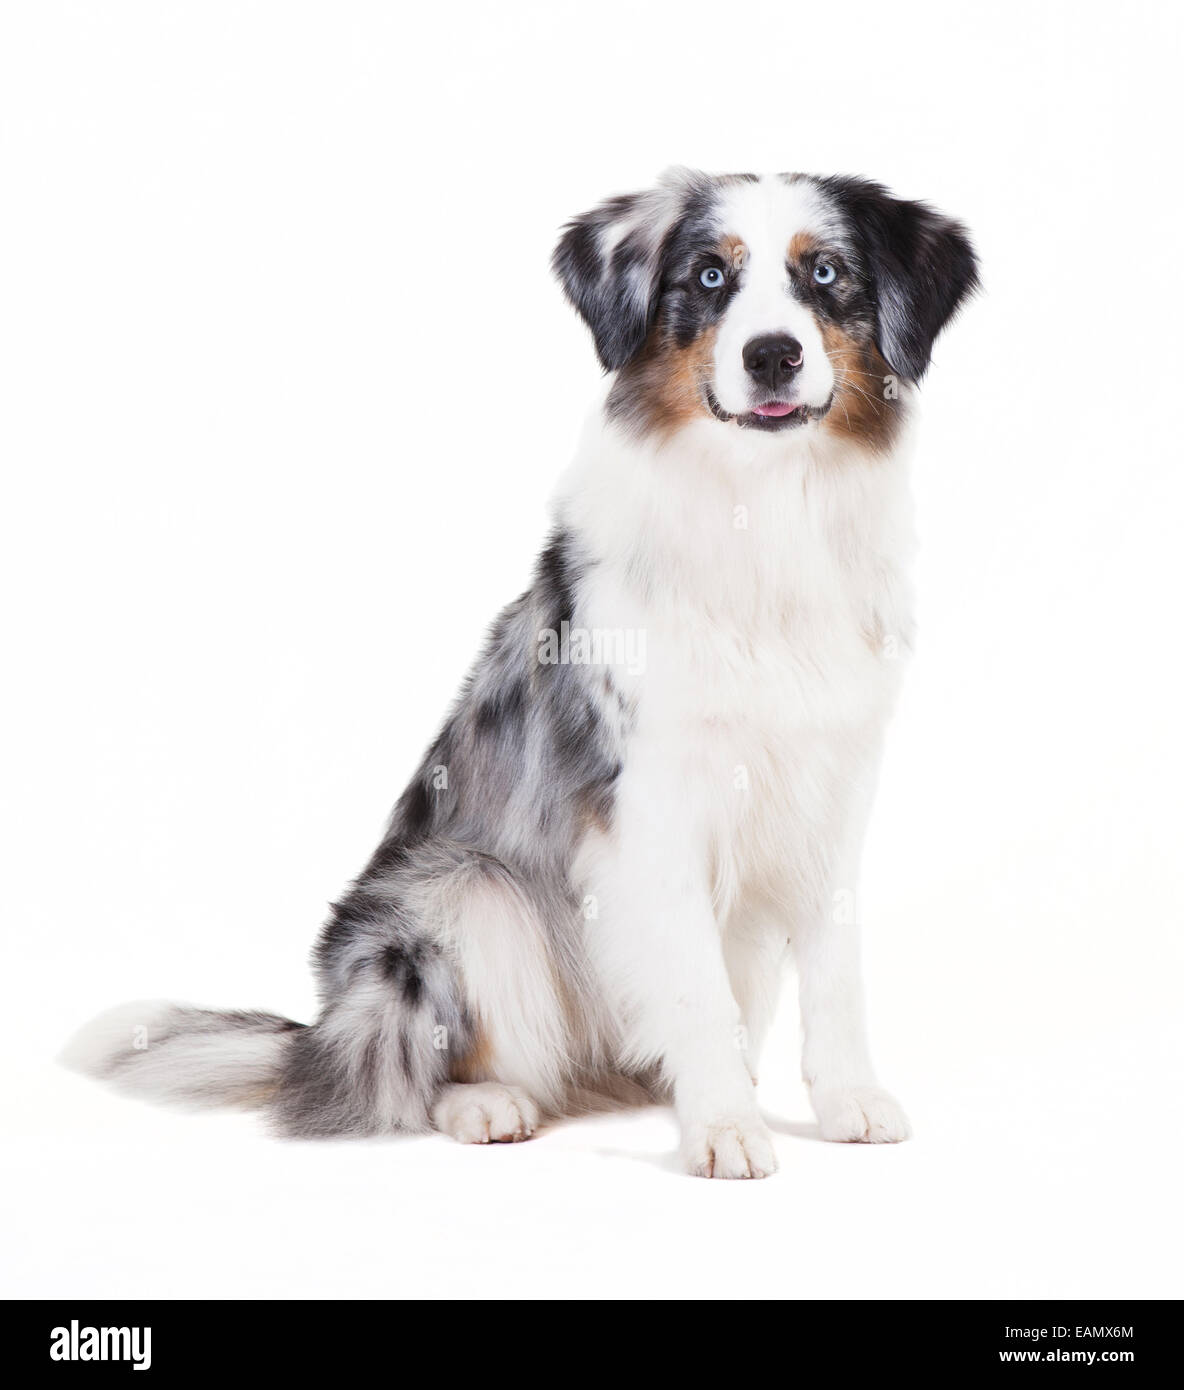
(766, 216)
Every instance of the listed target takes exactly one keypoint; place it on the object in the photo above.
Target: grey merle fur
(503, 794)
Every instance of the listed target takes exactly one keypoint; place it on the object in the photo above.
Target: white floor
(1060, 1188)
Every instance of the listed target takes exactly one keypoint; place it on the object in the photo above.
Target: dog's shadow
(796, 1129)
(664, 1162)
(670, 1162)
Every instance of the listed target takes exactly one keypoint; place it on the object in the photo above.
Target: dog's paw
(729, 1148)
(860, 1115)
(485, 1113)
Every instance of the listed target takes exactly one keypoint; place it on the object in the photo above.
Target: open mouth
(774, 415)
(769, 415)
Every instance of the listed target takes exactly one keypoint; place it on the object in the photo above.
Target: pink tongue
(775, 408)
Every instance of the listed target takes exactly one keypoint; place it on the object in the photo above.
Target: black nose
(772, 360)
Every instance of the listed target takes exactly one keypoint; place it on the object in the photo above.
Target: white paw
(485, 1113)
(729, 1148)
(860, 1115)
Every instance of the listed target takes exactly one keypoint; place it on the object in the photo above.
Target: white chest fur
(765, 594)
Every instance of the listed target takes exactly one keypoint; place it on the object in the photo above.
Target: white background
(286, 384)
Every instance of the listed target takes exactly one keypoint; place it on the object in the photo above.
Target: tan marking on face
(664, 388)
(802, 245)
(733, 252)
(865, 410)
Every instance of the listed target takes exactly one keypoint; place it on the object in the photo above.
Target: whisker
(875, 405)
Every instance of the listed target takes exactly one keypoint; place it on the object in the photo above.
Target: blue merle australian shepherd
(652, 790)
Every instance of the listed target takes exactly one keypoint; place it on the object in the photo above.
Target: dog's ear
(922, 264)
(609, 262)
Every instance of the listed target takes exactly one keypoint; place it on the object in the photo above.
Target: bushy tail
(179, 1054)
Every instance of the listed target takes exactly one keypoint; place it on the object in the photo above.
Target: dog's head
(778, 303)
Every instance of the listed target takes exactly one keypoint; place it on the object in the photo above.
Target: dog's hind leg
(436, 973)
(520, 1008)
(378, 1054)
(392, 1013)
(485, 1112)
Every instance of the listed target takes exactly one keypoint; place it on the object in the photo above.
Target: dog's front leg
(850, 1104)
(656, 945)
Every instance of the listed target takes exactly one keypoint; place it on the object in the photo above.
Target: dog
(651, 792)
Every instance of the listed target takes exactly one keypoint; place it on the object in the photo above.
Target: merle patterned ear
(923, 265)
(609, 262)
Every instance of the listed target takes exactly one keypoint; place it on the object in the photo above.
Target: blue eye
(825, 273)
(711, 278)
